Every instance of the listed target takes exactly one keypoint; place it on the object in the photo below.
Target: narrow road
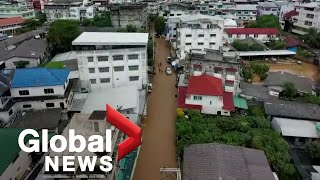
(158, 147)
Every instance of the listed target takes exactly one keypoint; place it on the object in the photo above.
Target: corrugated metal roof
(240, 102)
(35, 77)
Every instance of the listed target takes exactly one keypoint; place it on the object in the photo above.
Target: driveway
(158, 147)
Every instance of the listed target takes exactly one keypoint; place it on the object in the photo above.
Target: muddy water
(158, 146)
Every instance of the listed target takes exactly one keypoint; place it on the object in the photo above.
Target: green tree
(250, 131)
(313, 149)
(266, 21)
(159, 24)
(260, 69)
(41, 17)
(86, 22)
(62, 33)
(131, 28)
(247, 74)
(289, 90)
(277, 44)
(312, 37)
(102, 19)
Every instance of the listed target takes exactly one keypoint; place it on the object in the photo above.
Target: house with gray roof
(220, 161)
(267, 8)
(29, 54)
(276, 81)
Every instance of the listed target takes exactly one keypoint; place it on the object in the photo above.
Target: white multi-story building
(261, 34)
(198, 32)
(41, 88)
(246, 12)
(308, 16)
(23, 9)
(267, 8)
(111, 59)
(72, 11)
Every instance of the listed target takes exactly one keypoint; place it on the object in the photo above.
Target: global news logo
(76, 143)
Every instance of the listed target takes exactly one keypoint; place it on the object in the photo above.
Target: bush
(260, 69)
(304, 53)
(256, 111)
(247, 74)
(313, 149)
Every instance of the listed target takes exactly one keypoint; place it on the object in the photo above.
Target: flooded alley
(158, 146)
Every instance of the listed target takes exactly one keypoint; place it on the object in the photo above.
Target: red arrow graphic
(126, 126)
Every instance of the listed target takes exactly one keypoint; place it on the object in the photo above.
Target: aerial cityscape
(160, 90)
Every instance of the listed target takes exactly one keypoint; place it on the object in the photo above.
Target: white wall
(38, 91)
(117, 79)
(5, 117)
(300, 20)
(32, 62)
(39, 105)
(210, 104)
(17, 168)
(261, 37)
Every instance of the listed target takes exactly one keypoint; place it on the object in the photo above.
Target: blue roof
(35, 77)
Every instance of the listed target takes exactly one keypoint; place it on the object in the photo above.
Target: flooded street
(158, 146)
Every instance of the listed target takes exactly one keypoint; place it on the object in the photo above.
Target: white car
(168, 71)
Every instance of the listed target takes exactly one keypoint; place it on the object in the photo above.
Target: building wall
(135, 16)
(261, 37)
(39, 105)
(32, 62)
(72, 13)
(118, 78)
(246, 16)
(17, 168)
(6, 116)
(303, 21)
(267, 11)
(39, 91)
(185, 44)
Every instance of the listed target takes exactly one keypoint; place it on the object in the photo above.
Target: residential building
(38, 5)
(41, 88)
(135, 14)
(246, 12)
(206, 94)
(112, 59)
(29, 54)
(261, 55)
(267, 8)
(261, 34)
(275, 81)
(23, 9)
(220, 161)
(175, 9)
(9, 25)
(213, 63)
(87, 125)
(308, 16)
(73, 10)
(296, 131)
(223, 9)
(198, 32)
(7, 109)
(15, 164)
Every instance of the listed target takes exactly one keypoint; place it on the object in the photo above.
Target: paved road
(158, 147)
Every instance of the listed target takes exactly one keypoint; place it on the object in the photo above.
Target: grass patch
(55, 65)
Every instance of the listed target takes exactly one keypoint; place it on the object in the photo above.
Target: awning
(228, 101)
(240, 102)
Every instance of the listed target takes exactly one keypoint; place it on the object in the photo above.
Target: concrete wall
(117, 79)
(39, 91)
(32, 62)
(136, 17)
(261, 37)
(6, 117)
(39, 105)
(17, 168)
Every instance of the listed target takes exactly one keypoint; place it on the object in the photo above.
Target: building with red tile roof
(206, 94)
(261, 34)
(10, 24)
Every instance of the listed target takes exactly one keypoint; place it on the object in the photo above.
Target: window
(104, 69)
(238, 35)
(256, 35)
(311, 16)
(118, 58)
(90, 59)
(91, 70)
(93, 81)
(133, 78)
(27, 106)
(96, 126)
(133, 68)
(188, 44)
(133, 56)
(178, 14)
(201, 35)
(103, 58)
(198, 98)
(200, 44)
(254, 12)
(24, 92)
(230, 36)
(48, 91)
(189, 35)
(213, 35)
(247, 35)
(10, 112)
(119, 68)
(212, 43)
(104, 80)
(50, 104)
(171, 14)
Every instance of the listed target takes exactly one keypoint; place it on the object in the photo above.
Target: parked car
(149, 88)
(169, 60)
(168, 71)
